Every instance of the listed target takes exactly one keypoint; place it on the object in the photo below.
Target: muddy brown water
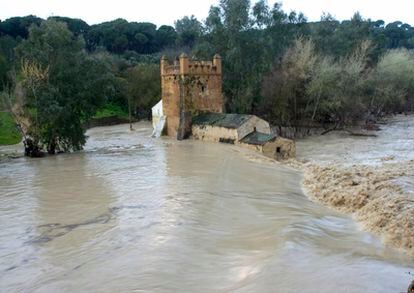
(136, 214)
(393, 143)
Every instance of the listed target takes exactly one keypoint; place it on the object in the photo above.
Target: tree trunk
(129, 114)
(316, 107)
(411, 288)
(51, 148)
(31, 149)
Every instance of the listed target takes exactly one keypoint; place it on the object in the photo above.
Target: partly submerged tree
(63, 87)
(305, 86)
(284, 87)
(392, 81)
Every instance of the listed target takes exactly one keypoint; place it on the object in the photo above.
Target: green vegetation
(9, 133)
(111, 110)
(62, 84)
(307, 86)
(141, 88)
(281, 67)
(275, 64)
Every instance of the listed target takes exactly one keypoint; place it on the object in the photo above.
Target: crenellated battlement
(184, 66)
(170, 70)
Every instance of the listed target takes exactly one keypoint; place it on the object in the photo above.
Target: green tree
(284, 87)
(261, 14)
(236, 15)
(119, 35)
(231, 34)
(7, 45)
(3, 71)
(18, 26)
(143, 88)
(321, 88)
(76, 26)
(189, 30)
(166, 36)
(392, 82)
(75, 86)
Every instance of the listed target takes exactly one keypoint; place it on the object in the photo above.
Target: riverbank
(108, 115)
(371, 178)
(9, 133)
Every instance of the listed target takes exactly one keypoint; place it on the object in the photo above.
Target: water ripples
(131, 213)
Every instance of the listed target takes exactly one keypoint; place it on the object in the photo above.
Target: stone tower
(189, 87)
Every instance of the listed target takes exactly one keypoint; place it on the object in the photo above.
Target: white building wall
(156, 114)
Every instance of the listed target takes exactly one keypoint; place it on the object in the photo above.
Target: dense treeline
(276, 64)
(307, 87)
(273, 62)
(118, 36)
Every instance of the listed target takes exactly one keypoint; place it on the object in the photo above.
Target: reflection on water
(132, 213)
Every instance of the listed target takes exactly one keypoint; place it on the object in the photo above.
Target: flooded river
(371, 178)
(393, 143)
(135, 214)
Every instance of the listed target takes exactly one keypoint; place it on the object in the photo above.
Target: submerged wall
(214, 133)
(280, 149)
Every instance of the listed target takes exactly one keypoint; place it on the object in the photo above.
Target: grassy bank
(111, 110)
(9, 133)
(110, 114)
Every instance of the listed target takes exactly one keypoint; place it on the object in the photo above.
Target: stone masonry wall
(191, 86)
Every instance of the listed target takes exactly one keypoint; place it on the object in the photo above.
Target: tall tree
(18, 26)
(76, 26)
(143, 88)
(189, 30)
(236, 14)
(261, 14)
(63, 86)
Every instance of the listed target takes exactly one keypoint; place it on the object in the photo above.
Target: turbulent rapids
(374, 195)
(372, 178)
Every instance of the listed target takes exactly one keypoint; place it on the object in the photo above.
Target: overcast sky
(166, 11)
